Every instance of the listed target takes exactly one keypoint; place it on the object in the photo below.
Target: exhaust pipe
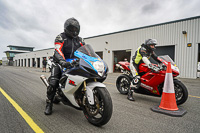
(119, 67)
(44, 79)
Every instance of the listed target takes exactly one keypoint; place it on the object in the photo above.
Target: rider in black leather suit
(65, 45)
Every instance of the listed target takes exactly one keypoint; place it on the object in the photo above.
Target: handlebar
(75, 63)
(159, 67)
(72, 64)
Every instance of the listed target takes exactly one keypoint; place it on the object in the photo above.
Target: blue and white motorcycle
(81, 86)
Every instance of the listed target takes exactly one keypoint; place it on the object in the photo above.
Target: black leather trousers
(53, 80)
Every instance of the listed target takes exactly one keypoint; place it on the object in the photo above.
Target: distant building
(34, 58)
(13, 51)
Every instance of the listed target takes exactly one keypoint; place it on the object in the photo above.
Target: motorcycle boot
(48, 109)
(49, 102)
(130, 95)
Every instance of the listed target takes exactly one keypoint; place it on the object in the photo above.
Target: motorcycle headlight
(99, 66)
(174, 67)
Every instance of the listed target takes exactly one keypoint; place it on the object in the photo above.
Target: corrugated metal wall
(166, 34)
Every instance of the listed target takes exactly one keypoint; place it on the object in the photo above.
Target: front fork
(89, 87)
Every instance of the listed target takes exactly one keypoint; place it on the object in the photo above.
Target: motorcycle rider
(65, 45)
(142, 55)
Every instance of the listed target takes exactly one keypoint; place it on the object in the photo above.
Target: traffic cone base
(177, 113)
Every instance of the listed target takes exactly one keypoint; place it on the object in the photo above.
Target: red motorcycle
(151, 82)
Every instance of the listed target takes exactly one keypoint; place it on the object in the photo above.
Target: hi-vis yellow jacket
(143, 52)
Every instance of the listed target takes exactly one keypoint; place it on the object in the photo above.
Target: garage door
(165, 50)
(122, 55)
(100, 54)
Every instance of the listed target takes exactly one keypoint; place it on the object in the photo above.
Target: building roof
(16, 51)
(196, 17)
(19, 46)
(42, 49)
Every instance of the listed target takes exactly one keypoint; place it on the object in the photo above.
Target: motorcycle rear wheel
(123, 84)
(100, 113)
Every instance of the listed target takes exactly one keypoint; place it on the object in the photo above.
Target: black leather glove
(65, 64)
(75, 63)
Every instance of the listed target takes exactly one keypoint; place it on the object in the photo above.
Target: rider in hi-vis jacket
(142, 55)
(65, 45)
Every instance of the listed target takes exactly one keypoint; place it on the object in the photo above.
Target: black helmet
(72, 27)
(150, 42)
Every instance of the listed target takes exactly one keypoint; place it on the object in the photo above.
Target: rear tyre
(181, 92)
(99, 113)
(123, 84)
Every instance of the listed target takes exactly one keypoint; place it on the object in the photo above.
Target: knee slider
(136, 80)
(50, 89)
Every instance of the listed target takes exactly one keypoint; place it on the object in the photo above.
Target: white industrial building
(33, 59)
(179, 39)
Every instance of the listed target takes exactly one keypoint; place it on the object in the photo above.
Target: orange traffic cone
(168, 101)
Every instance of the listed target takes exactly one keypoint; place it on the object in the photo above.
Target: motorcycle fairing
(70, 89)
(85, 70)
(86, 58)
(151, 81)
(88, 55)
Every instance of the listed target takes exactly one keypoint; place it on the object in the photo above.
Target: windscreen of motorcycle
(167, 59)
(87, 49)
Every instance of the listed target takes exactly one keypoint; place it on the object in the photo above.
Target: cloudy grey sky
(36, 23)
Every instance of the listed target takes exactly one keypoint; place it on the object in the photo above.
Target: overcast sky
(36, 23)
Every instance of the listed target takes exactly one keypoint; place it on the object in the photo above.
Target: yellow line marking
(188, 95)
(26, 117)
(193, 96)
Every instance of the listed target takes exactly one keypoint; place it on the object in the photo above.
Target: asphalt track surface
(26, 114)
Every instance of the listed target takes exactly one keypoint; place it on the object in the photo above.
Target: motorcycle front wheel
(123, 84)
(181, 92)
(99, 113)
